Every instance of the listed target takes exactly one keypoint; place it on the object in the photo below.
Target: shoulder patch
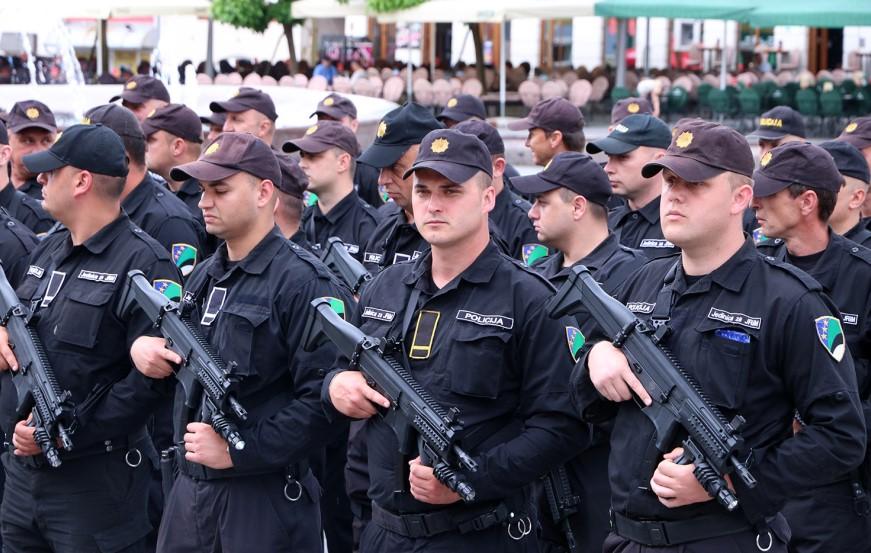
(532, 253)
(576, 341)
(185, 258)
(831, 336)
(169, 288)
(337, 305)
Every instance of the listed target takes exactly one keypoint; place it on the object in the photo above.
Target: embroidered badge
(741, 319)
(576, 341)
(35, 270)
(831, 336)
(640, 307)
(532, 253)
(94, 276)
(485, 320)
(169, 288)
(185, 258)
(379, 314)
(336, 305)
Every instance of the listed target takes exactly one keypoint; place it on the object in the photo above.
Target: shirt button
(634, 216)
(854, 250)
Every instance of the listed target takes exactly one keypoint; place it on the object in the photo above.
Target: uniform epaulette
(809, 282)
(863, 253)
(158, 250)
(529, 270)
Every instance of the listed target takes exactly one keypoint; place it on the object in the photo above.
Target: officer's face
(551, 217)
(851, 197)
(697, 214)
(779, 213)
(249, 121)
(214, 131)
(57, 190)
(540, 145)
(28, 141)
(142, 110)
(232, 206)
(346, 121)
(445, 213)
(321, 169)
(158, 156)
(624, 171)
(398, 188)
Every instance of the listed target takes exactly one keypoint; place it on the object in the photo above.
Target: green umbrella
(674, 9)
(812, 13)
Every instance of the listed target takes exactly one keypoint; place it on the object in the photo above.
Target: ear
(555, 138)
(741, 198)
(265, 192)
(5, 155)
(857, 198)
(353, 124)
(807, 202)
(498, 167)
(344, 160)
(579, 207)
(177, 147)
(489, 199)
(83, 182)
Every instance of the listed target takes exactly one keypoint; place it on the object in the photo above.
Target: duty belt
(661, 532)
(424, 525)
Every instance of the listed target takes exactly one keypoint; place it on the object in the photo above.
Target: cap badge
(212, 149)
(131, 85)
(329, 101)
(851, 127)
(311, 130)
(439, 145)
(382, 130)
(32, 113)
(452, 102)
(633, 107)
(684, 140)
(766, 159)
(238, 92)
(151, 113)
(86, 120)
(621, 128)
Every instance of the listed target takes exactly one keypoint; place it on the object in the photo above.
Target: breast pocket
(82, 315)
(725, 354)
(476, 360)
(238, 343)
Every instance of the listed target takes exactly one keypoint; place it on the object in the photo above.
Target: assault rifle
(561, 503)
(344, 266)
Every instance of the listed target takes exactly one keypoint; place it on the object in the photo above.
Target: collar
(339, 210)
(7, 194)
(255, 262)
(651, 211)
(595, 260)
(98, 243)
(30, 184)
(732, 274)
(137, 196)
(479, 272)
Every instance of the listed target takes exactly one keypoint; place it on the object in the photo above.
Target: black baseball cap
(29, 114)
(336, 107)
(629, 106)
(142, 88)
(571, 170)
(778, 122)
(94, 148)
(228, 154)
(455, 155)
(631, 132)
(118, 118)
(857, 133)
(463, 107)
(848, 159)
(213, 118)
(701, 150)
(4, 136)
(323, 136)
(553, 114)
(176, 119)
(293, 181)
(796, 163)
(247, 98)
(486, 132)
(403, 127)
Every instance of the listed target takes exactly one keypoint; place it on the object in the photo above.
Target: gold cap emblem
(684, 140)
(439, 145)
(311, 130)
(238, 92)
(212, 149)
(131, 85)
(851, 127)
(382, 130)
(86, 120)
(32, 113)
(329, 101)
(766, 159)
(633, 107)
(452, 102)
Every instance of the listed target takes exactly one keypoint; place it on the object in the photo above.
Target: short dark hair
(135, 148)
(290, 206)
(108, 186)
(598, 211)
(352, 166)
(826, 199)
(574, 141)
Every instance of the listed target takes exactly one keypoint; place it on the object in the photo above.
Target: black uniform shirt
(760, 338)
(859, 234)
(641, 230)
(253, 312)
(610, 262)
(509, 220)
(32, 189)
(87, 332)
(25, 209)
(157, 211)
(300, 240)
(190, 193)
(16, 243)
(352, 220)
(394, 240)
(492, 352)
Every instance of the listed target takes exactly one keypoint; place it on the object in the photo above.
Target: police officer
(858, 133)
(32, 128)
(19, 205)
(846, 219)
(328, 156)
(215, 123)
(635, 141)
(795, 191)
(96, 500)
(629, 106)
(251, 111)
(760, 339)
(570, 216)
(394, 150)
(143, 94)
(149, 204)
(288, 201)
(508, 218)
(16, 243)
(335, 107)
(777, 126)
(462, 107)
(247, 300)
(472, 327)
(555, 125)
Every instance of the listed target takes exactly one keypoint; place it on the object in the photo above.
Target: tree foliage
(383, 6)
(252, 14)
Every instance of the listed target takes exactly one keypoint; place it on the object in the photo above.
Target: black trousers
(92, 504)
(376, 539)
(823, 520)
(244, 514)
(335, 506)
(743, 542)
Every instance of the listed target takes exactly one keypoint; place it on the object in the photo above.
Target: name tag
(486, 320)
(36, 271)
(378, 314)
(94, 276)
(640, 307)
(850, 318)
(655, 243)
(735, 318)
(352, 248)
(370, 257)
